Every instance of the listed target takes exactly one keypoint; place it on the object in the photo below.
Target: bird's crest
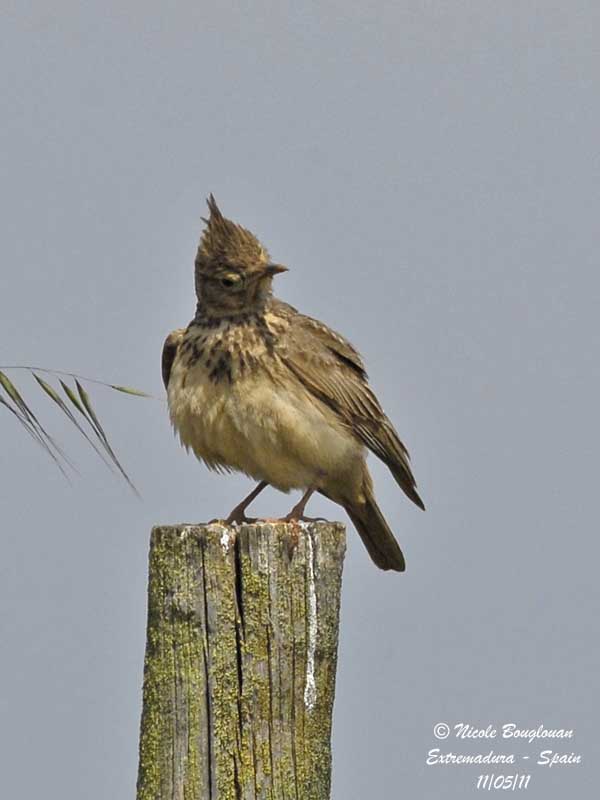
(225, 242)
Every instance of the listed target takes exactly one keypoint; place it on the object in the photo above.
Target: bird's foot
(232, 519)
(238, 515)
(293, 518)
(297, 512)
(239, 519)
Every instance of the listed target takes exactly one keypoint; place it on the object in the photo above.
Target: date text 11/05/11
(510, 782)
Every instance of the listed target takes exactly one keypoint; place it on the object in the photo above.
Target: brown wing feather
(333, 371)
(169, 352)
(332, 341)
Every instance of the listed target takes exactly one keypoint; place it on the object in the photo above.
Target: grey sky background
(430, 174)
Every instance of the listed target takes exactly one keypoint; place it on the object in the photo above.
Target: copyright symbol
(441, 730)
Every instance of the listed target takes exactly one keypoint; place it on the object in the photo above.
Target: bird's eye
(231, 280)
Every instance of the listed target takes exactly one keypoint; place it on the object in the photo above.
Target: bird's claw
(237, 519)
(240, 519)
(291, 518)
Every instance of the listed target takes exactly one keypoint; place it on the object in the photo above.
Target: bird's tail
(375, 532)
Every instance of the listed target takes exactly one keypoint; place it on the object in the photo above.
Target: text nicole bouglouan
(504, 756)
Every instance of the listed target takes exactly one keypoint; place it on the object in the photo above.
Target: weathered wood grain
(240, 666)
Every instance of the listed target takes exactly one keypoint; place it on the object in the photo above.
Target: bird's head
(233, 270)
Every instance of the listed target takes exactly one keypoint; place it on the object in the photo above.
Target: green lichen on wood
(231, 647)
(174, 672)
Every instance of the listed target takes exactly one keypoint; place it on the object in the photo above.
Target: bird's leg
(297, 512)
(238, 514)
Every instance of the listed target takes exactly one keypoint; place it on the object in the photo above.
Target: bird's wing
(333, 342)
(331, 369)
(169, 352)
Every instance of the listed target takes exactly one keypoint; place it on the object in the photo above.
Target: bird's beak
(275, 269)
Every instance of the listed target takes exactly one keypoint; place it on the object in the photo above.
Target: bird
(256, 387)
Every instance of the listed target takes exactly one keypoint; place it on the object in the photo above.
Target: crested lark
(256, 387)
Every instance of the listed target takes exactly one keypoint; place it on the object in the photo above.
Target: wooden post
(241, 652)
